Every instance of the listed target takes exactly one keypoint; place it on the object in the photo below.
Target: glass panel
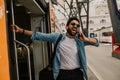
(118, 4)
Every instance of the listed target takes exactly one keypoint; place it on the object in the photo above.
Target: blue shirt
(52, 37)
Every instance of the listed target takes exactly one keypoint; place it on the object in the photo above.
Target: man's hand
(20, 30)
(16, 28)
(82, 37)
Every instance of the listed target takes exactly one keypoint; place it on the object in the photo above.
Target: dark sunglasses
(73, 24)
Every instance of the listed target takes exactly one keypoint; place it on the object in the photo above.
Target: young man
(69, 61)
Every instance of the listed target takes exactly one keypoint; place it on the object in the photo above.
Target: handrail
(29, 64)
(15, 41)
(14, 37)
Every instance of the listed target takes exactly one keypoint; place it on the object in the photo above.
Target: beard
(70, 32)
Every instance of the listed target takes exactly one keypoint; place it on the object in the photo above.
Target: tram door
(4, 64)
(25, 63)
(19, 54)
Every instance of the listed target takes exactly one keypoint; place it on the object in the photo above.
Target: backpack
(47, 72)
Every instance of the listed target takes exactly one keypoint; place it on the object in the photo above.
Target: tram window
(95, 35)
(106, 34)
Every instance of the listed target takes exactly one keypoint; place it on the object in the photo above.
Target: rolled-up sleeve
(33, 36)
(97, 43)
(50, 37)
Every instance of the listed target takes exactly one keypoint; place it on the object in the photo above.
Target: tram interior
(18, 14)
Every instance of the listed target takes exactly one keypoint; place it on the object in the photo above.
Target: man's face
(73, 27)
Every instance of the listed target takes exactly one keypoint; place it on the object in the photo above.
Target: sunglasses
(73, 24)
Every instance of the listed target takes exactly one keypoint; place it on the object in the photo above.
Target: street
(101, 63)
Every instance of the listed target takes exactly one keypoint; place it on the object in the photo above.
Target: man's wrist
(21, 31)
(88, 40)
(91, 40)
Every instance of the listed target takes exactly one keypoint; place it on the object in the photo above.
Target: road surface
(101, 63)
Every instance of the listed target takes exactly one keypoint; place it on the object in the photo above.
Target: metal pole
(29, 64)
(14, 37)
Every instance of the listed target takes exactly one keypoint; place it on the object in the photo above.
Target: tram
(21, 59)
(104, 35)
(113, 6)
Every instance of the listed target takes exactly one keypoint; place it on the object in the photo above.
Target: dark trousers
(75, 74)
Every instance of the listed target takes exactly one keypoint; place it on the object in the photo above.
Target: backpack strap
(58, 40)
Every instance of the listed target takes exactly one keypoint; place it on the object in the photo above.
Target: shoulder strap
(58, 40)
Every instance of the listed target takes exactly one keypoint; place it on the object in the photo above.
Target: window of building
(84, 22)
(103, 21)
(91, 22)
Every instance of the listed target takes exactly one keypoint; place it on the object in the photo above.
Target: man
(69, 61)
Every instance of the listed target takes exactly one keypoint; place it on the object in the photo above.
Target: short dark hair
(70, 19)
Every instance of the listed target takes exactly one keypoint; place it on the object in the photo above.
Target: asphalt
(91, 75)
